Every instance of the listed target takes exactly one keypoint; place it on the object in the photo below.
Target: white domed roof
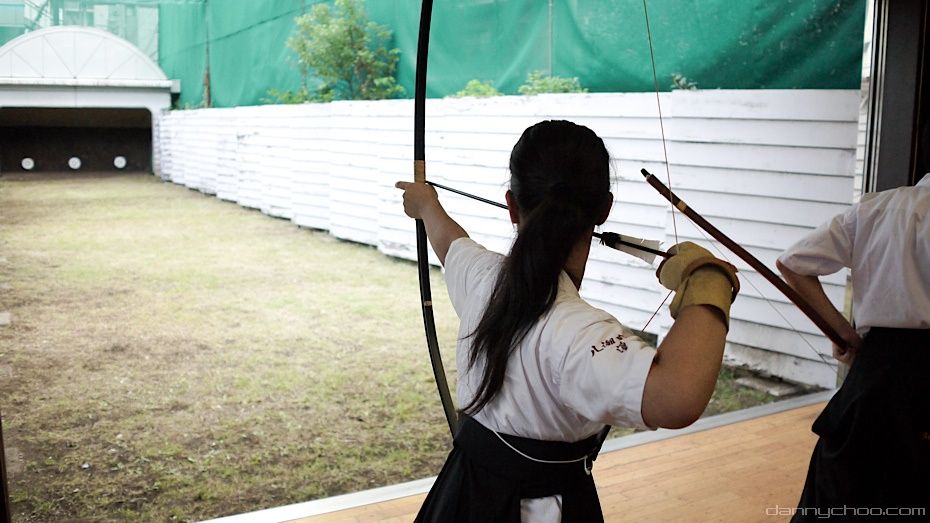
(72, 55)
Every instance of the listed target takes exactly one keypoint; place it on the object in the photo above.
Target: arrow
(609, 239)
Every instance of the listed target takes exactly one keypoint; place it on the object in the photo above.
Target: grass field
(172, 357)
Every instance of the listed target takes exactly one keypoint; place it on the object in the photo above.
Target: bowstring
(668, 173)
(668, 178)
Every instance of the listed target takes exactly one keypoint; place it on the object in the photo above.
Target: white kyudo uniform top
(885, 240)
(576, 370)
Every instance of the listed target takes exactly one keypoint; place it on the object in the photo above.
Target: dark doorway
(79, 140)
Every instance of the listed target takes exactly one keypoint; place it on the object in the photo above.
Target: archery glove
(698, 278)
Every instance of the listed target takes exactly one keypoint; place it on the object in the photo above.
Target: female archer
(541, 371)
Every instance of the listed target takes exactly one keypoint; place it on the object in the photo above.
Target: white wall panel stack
(272, 158)
(227, 170)
(250, 148)
(312, 166)
(162, 138)
(171, 126)
(206, 150)
(764, 166)
(185, 141)
(249, 193)
(156, 144)
(364, 139)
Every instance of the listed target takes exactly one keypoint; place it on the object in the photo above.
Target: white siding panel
(763, 157)
(773, 132)
(755, 208)
(796, 186)
(801, 105)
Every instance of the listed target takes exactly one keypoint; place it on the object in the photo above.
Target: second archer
(541, 371)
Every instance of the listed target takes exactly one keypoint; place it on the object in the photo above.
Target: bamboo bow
(419, 175)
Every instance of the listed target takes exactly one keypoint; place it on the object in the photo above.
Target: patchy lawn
(175, 357)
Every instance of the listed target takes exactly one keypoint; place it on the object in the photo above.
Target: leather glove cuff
(711, 283)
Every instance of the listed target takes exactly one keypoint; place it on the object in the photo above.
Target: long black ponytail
(560, 180)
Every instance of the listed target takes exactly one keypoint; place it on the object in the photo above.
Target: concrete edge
(380, 494)
(712, 422)
(332, 504)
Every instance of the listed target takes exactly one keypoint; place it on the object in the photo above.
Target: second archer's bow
(700, 221)
(753, 262)
(419, 175)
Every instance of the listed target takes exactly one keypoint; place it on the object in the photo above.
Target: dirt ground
(173, 357)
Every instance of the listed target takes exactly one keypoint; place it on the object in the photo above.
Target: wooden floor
(730, 473)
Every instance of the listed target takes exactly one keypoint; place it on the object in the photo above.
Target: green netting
(752, 44)
(182, 51)
(718, 44)
(133, 20)
(715, 43)
(248, 51)
(496, 41)
(749, 44)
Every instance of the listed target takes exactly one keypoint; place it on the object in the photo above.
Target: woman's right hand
(847, 353)
(698, 278)
(675, 269)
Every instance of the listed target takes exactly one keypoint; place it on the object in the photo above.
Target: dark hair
(560, 179)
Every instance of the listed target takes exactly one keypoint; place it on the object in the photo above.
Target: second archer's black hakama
(874, 448)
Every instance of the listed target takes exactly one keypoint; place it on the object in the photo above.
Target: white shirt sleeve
(826, 250)
(604, 372)
(467, 263)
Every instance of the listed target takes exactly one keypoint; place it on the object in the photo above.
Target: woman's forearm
(422, 203)
(812, 290)
(441, 230)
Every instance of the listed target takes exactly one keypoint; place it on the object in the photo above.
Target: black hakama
(874, 448)
(483, 480)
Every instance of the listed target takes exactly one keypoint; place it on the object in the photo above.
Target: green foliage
(537, 82)
(346, 53)
(680, 81)
(176, 105)
(277, 96)
(478, 89)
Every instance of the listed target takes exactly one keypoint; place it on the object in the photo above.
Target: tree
(346, 52)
